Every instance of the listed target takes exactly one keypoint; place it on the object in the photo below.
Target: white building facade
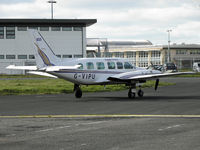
(66, 37)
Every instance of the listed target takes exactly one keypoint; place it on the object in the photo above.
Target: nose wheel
(78, 91)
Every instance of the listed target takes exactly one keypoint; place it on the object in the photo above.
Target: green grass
(55, 86)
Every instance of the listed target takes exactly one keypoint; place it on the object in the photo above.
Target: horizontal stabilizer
(58, 68)
(22, 67)
(42, 74)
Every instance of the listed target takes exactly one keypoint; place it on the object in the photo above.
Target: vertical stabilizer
(43, 53)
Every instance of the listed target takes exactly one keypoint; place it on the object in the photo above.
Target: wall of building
(20, 50)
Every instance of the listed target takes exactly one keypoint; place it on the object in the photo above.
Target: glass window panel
(81, 67)
(100, 65)
(67, 56)
(127, 65)
(31, 57)
(1, 56)
(1, 32)
(10, 32)
(22, 56)
(111, 65)
(10, 56)
(119, 65)
(66, 28)
(78, 56)
(90, 65)
(21, 28)
(58, 56)
(36, 28)
(44, 28)
(55, 28)
(77, 28)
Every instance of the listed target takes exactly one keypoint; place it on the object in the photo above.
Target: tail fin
(43, 53)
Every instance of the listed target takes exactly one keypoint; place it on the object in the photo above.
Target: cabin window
(111, 65)
(81, 66)
(127, 65)
(100, 65)
(90, 65)
(119, 65)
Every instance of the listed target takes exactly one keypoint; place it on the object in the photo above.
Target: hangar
(67, 37)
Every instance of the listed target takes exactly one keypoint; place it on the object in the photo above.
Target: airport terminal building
(144, 53)
(67, 37)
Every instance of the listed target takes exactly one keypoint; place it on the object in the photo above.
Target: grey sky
(120, 19)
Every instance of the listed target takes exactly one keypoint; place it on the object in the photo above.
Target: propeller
(156, 84)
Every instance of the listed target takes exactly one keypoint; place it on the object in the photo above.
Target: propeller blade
(156, 84)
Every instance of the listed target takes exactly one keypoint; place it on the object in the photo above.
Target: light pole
(51, 2)
(168, 52)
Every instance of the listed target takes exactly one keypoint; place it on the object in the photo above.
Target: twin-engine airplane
(90, 71)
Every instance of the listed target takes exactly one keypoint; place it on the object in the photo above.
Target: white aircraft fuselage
(97, 75)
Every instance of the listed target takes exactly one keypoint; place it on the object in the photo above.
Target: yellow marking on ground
(103, 116)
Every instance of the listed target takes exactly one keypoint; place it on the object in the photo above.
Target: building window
(194, 52)
(107, 54)
(58, 56)
(66, 28)
(10, 56)
(181, 52)
(31, 57)
(78, 28)
(22, 56)
(143, 59)
(67, 56)
(21, 28)
(35, 28)
(100, 65)
(78, 56)
(111, 65)
(119, 54)
(1, 56)
(44, 28)
(10, 32)
(55, 28)
(90, 65)
(1, 32)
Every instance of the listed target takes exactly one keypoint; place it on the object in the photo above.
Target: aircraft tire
(78, 93)
(131, 94)
(140, 93)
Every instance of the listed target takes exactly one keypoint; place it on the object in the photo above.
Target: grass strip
(56, 86)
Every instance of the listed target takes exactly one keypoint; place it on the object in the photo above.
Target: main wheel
(78, 93)
(140, 93)
(131, 94)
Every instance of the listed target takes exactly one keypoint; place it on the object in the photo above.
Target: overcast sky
(120, 19)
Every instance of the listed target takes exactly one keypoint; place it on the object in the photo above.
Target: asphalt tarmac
(166, 119)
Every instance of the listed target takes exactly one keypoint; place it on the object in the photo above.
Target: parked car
(156, 67)
(196, 66)
(170, 67)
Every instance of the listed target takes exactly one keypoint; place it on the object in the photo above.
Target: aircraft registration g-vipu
(90, 71)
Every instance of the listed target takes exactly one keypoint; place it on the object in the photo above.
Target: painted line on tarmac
(103, 116)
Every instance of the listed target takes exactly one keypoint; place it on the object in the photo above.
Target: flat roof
(49, 22)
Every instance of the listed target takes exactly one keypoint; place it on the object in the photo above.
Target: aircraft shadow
(145, 98)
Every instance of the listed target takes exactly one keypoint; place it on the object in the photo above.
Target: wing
(21, 67)
(136, 76)
(58, 68)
